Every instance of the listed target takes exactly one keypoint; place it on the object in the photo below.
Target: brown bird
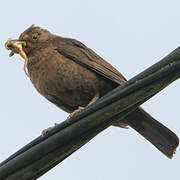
(72, 76)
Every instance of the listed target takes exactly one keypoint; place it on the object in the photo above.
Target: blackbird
(72, 76)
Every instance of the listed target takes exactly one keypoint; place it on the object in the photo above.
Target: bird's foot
(80, 108)
(45, 131)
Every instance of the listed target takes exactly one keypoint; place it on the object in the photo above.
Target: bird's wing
(84, 56)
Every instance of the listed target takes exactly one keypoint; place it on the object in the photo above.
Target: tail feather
(159, 135)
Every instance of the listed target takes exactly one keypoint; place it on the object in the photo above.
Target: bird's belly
(67, 84)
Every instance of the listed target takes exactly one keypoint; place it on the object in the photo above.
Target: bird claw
(80, 108)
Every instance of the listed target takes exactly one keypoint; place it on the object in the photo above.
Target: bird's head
(34, 38)
(31, 39)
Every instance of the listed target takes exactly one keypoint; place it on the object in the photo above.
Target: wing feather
(84, 56)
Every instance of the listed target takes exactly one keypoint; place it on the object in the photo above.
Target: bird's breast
(62, 79)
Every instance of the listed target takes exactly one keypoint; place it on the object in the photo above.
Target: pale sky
(131, 35)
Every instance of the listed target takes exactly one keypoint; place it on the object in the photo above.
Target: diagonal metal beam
(44, 153)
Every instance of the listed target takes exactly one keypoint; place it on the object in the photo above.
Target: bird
(73, 77)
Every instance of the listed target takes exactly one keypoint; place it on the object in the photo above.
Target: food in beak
(16, 46)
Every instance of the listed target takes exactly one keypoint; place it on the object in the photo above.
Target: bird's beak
(16, 46)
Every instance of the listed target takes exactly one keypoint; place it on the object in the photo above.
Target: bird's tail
(159, 135)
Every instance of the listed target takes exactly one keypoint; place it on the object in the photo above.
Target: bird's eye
(35, 37)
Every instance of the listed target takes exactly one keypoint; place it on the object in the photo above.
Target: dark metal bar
(44, 153)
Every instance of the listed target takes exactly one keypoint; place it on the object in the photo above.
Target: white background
(131, 35)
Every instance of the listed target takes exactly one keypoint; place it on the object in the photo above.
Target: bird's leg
(80, 108)
(94, 99)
